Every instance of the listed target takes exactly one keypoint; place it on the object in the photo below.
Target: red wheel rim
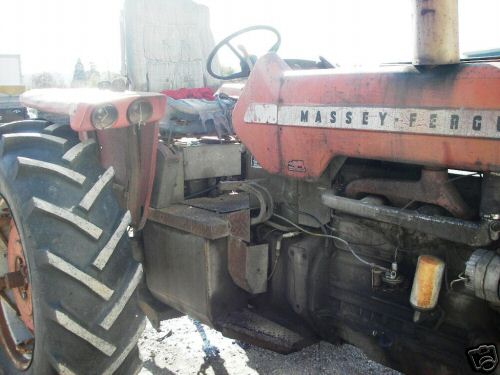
(17, 262)
(16, 309)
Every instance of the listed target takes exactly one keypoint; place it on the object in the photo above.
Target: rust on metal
(248, 265)
(16, 283)
(255, 329)
(194, 220)
(427, 282)
(235, 208)
(16, 262)
(436, 32)
(239, 224)
(433, 188)
(26, 346)
(13, 280)
(209, 218)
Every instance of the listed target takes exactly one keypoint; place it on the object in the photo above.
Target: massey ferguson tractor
(309, 202)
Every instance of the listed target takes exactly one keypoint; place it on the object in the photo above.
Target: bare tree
(46, 80)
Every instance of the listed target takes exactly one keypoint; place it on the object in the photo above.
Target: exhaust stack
(436, 32)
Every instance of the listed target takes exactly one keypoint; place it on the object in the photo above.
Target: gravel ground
(186, 347)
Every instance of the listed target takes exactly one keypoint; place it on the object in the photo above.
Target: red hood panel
(295, 122)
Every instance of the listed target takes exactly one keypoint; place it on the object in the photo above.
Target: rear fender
(129, 148)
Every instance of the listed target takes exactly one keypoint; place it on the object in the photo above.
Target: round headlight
(104, 116)
(139, 112)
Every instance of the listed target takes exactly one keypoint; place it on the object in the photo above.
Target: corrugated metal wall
(166, 44)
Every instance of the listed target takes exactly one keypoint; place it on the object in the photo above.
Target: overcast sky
(51, 34)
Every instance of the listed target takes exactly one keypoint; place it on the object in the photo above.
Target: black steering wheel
(245, 61)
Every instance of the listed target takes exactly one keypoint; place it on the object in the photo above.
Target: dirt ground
(184, 346)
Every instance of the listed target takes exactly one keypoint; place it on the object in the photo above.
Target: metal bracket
(260, 192)
(433, 188)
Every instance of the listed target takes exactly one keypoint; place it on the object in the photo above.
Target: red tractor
(357, 206)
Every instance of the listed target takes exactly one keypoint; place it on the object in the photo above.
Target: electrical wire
(347, 244)
(330, 228)
(278, 251)
(275, 265)
(321, 225)
(279, 227)
(460, 278)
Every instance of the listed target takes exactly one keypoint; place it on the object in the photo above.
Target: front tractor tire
(81, 275)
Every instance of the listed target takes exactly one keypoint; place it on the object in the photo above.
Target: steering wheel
(245, 60)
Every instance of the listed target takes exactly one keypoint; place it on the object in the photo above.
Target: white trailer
(10, 70)
(11, 85)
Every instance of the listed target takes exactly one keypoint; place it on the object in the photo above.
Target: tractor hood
(295, 122)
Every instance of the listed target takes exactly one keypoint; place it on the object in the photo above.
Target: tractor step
(255, 329)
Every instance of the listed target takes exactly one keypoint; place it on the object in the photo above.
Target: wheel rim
(16, 308)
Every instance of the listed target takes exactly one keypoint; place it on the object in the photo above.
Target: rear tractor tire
(70, 303)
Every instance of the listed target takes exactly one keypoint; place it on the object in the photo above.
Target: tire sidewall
(39, 363)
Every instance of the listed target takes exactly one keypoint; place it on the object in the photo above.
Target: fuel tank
(295, 121)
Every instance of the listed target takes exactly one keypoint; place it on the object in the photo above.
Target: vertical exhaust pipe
(436, 32)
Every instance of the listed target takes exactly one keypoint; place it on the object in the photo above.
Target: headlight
(139, 111)
(104, 116)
